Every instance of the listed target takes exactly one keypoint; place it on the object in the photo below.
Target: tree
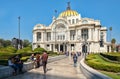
(7, 43)
(1, 42)
(4, 43)
(110, 33)
(26, 43)
(113, 41)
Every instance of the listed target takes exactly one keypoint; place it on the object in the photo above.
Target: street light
(55, 30)
(85, 40)
(19, 32)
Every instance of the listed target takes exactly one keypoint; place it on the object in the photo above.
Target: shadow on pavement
(35, 75)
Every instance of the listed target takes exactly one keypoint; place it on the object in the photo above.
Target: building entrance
(61, 48)
(84, 49)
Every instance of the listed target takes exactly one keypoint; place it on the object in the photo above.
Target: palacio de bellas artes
(71, 32)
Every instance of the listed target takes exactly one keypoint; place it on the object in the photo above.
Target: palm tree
(110, 33)
(113, 41)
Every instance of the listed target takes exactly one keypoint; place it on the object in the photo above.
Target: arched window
(60, 32)
(84, 22)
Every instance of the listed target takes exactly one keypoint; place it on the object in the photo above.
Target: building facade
(70, 32)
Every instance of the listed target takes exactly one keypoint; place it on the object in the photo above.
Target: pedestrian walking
(75, 59)
(44, 61)
(37, 60)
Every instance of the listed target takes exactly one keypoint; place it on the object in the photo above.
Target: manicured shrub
(39, 50)
(96, 62)
(8, 49)
(111, 56)
(8, 55)
(24, 59)
(25, 50)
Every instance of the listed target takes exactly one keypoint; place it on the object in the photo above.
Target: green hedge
(8, 49)
(39, 50)
(24, 59)
(25, 50)
(8, 55)
(4, 62)
(111, 56)
(95, 61)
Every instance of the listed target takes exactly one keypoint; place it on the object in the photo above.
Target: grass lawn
(111, 74)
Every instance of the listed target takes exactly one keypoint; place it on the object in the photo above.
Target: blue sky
(33, 12)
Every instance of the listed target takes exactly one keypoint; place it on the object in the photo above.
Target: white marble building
(70, 32)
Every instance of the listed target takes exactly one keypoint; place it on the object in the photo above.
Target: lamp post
(85, 41)
(19, 32)
(55, 29)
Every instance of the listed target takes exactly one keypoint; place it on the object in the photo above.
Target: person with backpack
(75, 59)
(44, 59)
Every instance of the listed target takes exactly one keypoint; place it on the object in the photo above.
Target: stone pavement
(62, 69)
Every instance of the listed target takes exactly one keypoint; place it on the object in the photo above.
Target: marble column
(89, 34)
(35, 37)
(63, 47)
(42, 34)
(68, 35)
(92, 34)
(59, 47)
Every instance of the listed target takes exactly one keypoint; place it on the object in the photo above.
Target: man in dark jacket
(44, 61)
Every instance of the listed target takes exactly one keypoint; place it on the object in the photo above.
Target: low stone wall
(7, 71)
(91, 73)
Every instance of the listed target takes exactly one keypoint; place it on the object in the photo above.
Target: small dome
(68, 13)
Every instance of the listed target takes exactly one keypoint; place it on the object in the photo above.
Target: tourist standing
(44, 61)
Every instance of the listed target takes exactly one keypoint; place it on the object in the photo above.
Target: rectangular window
(77, 20)
(38, 36)
(48, 36)
(84, 34)
(73, 21)
(63, 37)
(72, 34)
(70, 21)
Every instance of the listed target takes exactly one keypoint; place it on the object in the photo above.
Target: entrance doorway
(61, 48)
(84, 49)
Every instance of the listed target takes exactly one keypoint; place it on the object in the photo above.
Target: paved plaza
(62, 69)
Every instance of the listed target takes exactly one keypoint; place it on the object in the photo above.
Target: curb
(91, 73)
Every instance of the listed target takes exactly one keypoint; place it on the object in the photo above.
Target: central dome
(68, 12)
